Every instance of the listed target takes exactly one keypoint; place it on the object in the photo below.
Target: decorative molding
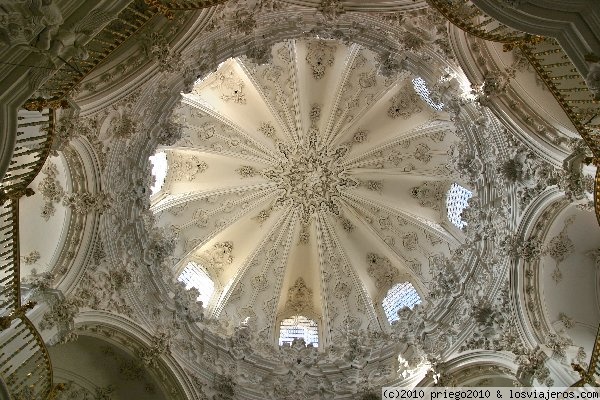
(430, 194)
(299, 298)
(380, 268)
(362, 353)
(51, 189)
(321, 55)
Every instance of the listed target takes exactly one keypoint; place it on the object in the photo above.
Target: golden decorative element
(597, 193)
(590, 376)
(527, 40)
(28, 368)
(128, 22)
(187, 5)
(28, 372)
(570, 91)
(468, 17)
(18, 312)
(10, 257)
(15, 195)
(40, 104)
(164, 10)
(56, 390)
(23, 170)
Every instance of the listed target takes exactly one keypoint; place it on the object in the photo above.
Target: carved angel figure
(60, 41)
(49, 15)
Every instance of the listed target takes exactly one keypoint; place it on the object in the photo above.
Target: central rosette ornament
(311, 176)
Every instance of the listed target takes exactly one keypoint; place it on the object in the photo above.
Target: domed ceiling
(309, 185)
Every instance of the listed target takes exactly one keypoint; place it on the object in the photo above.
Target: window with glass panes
(194, 276)
(159, 170)
(298, 327)
(422, 90)
(456, 201)
(399, 296)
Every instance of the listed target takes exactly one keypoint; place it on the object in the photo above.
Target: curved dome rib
(246, 288)
(404, 263)
(347, 286)
(200, 225)
(326, 151)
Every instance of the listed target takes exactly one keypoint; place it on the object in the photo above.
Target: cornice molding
(575, 24)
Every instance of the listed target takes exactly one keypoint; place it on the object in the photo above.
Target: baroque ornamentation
(532, 365)
(218, 256)
(382, 270)
(51, 189)
(85, 202)
(161, 344)
(526, 170)
(320, 56)
(578, 187)
(32, 257)
(315, 176)
(158, 49)
(186, 168)
(170, 133)
(561, 246)
(593, 79)
(310, 178)
(61, 316)
(124, 127)
(267, 129)
(331, 9)
(69, 127)
(299, 297)
(23, 21)
(231, 87)
(429, 194)
(404, 104)
(247, 171)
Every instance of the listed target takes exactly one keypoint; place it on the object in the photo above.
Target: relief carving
(320, 56)
(299, 297)
(381, 269)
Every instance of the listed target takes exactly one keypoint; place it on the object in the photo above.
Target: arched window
(456, 201)
(194, 276)
(159, 170)
(399, 296)
(298, 327)
(422, 90)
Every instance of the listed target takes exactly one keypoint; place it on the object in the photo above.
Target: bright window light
(159, 170)
(422, 90)
(399, 296)
(298, 327)
(194, 276)
(456, 201)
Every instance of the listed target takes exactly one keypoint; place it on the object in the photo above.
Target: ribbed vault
(308, 185)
